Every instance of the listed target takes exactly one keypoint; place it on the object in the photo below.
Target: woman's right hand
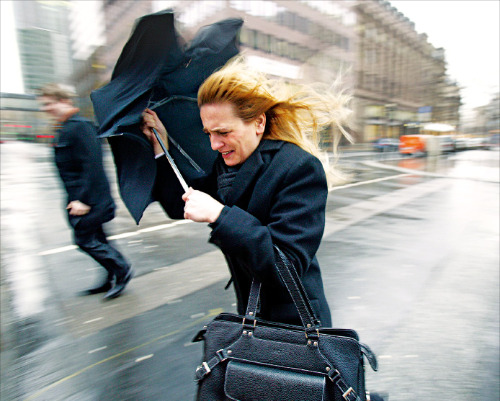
(150, 120)
(201, 207)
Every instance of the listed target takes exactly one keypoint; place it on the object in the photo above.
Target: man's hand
(77, 208)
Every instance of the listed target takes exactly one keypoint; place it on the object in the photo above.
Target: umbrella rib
(169, 99)
(183, 152)
(193, 163)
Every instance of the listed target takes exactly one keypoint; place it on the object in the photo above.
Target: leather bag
(249, 359)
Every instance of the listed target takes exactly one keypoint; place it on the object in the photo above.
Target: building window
(263, 42)
(344, 43)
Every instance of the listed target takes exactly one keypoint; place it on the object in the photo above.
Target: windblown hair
(294, 113)
(57, 91)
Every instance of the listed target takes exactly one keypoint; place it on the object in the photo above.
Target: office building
(401, 78)
(44, 42)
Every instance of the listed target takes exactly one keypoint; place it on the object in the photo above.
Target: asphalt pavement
(409, 259)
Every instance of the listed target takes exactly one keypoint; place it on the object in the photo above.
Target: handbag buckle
(346, 394)
(336, 377)
(202, 371)
(247, 323)
(312, 333)
(222, 354)
(333, 375)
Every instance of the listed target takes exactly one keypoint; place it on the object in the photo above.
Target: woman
(268, 185)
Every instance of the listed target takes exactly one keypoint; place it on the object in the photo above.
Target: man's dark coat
(78, 157)
(278, 197)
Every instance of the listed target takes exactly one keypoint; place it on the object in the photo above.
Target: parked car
(476, 143)
(493, 141)
(447, 144)
(461, 143)
(386, 145)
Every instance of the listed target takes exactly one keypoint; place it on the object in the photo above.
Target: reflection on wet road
(409, 260)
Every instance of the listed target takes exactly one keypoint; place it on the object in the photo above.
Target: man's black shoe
(119, 286)
(105, 287)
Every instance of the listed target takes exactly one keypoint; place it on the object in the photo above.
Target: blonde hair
(294, 113)
(59, 92)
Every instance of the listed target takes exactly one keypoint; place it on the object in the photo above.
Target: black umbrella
(157, 70)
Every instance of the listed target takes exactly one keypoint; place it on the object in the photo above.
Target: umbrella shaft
(171, 161)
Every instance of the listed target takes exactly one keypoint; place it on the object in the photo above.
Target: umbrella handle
(171, 161)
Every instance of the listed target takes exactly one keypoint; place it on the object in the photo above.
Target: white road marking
(97, 349)
(180, 222)
(93, 320)
(143, 358)
(349, 215)
(120, 236)
(392, 177)
(58, 250)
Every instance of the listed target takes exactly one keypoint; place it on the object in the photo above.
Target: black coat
(278, 197)
(78, 158)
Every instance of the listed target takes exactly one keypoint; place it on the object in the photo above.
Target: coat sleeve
(87, 153)
(295, 222)
(167, 190)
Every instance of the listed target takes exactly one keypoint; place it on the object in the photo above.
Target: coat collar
(250, 169)
(69, 116)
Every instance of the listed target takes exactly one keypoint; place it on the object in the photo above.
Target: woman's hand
(150, 120)
(201, 207)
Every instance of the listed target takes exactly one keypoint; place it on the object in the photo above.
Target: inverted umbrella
(156, 69)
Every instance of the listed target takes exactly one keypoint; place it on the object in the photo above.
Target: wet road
(410, 260)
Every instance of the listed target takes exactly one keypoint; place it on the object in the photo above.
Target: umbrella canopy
(156, 69)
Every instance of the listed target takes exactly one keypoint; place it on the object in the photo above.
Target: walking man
(78, 158)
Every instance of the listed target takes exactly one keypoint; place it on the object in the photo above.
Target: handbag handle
(296, 281)
(253, 304)
(294, 285)
(295, 288)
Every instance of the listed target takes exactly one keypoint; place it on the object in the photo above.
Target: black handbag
(249, 359)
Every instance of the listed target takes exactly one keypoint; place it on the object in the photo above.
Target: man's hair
(57, 91)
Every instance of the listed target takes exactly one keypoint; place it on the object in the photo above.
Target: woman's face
(232, 137)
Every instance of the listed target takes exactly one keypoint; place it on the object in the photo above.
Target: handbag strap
(295, 288)
(253, 304)
(292, 281)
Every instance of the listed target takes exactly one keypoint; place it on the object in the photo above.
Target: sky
(468, 30)
(10, 66)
